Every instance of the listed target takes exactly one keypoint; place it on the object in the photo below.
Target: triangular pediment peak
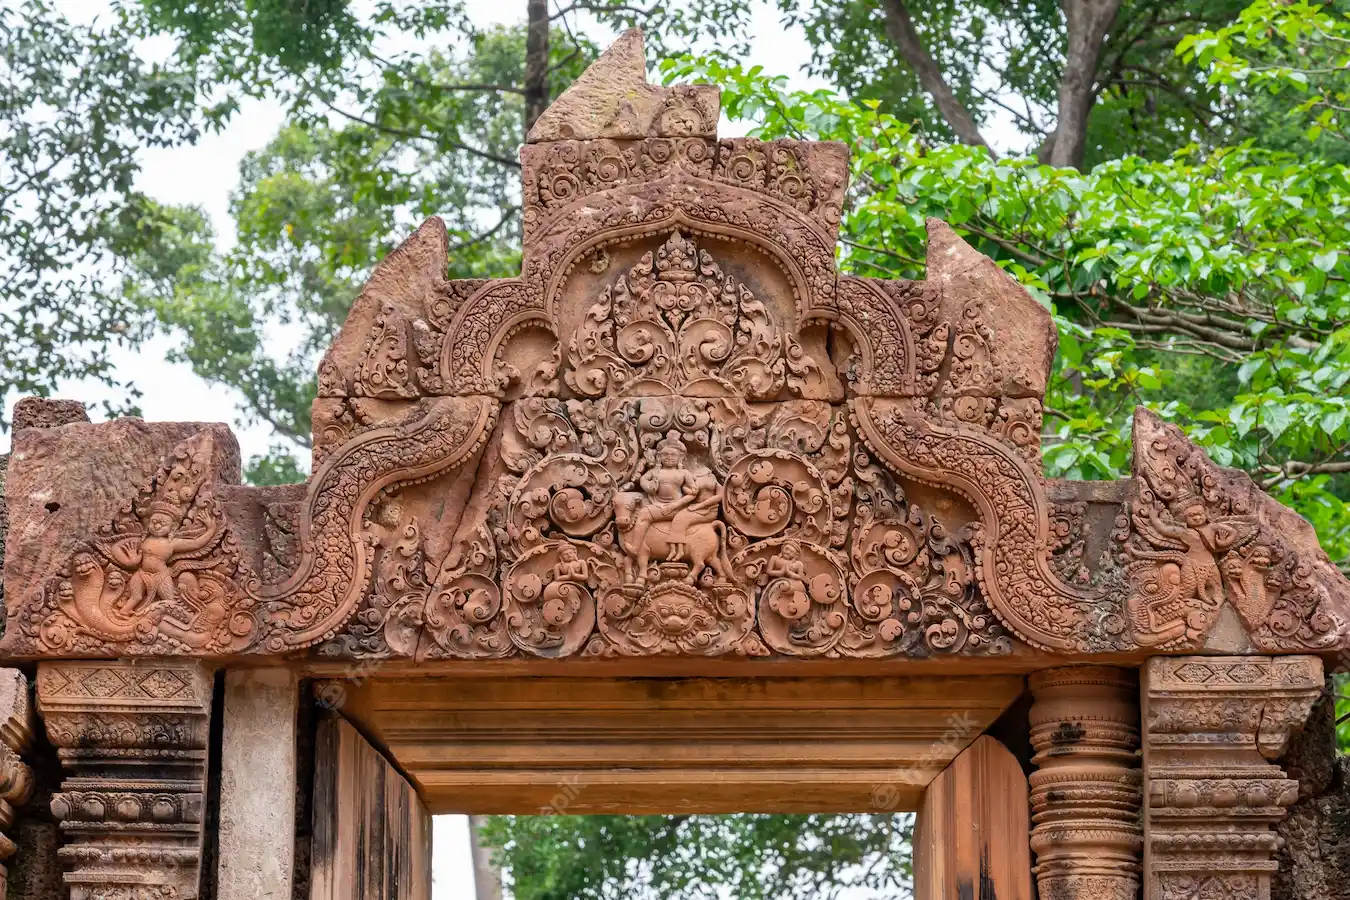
(371, 355)
(1201, 540)
(612, 99)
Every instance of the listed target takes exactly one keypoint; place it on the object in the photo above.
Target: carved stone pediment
(679, 432)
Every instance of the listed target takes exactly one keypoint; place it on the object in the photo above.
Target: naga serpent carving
(1013, 566)
(334, 571)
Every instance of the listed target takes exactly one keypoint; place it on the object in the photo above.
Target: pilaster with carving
(1213, 728)
(132, 739)
(1085, 794)
(16, 779)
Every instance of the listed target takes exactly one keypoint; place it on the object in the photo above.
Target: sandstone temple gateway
(681, 519)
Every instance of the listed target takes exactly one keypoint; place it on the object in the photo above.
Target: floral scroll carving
(679, 431)
(1012, 539)
(675, 322)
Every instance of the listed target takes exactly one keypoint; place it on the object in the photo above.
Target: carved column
(1086, 794)
(16, 779)
(132, 738)
(1212, 727)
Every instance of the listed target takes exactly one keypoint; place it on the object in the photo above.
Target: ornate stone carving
(161, 575)
(387, 370)
(1068, 542)
(612, 99)
(133, 743)
(16, 778)
(559, 174)
(676, 525)
(1212, 727)
(1012, 539)
(1086, 792)
(1199, 538)
(676, 323)
(851, 467)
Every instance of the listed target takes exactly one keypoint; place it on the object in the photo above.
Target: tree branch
(1294, 468)
(420, 136)
(438, 86)
(1087, 21)
(900, 29)
(536, 61)
(634, 11)
(507, 216)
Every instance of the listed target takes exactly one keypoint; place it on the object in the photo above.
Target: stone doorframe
(1194, 815)
(681, 444)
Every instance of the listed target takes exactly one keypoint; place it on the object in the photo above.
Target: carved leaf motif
(676, 323)
(386, 370)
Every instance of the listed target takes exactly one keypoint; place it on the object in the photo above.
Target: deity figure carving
(561, 596)
(1178, 585)
(675, 515)
(162, 574)
(148, 556)
(787, 591)
(1196, 538)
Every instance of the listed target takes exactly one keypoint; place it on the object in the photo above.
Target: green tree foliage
(1291, 60)
(76, 104)
(750, 857)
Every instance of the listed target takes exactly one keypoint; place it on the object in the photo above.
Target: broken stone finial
(612, 99)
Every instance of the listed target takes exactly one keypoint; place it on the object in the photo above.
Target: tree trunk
(900, 29)
(487, 877)
(1087, 21)
(536, 61)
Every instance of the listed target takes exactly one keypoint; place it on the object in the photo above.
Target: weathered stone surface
(612, 99)
(32, 412)
(1213, 727)
(257, 789)
(34, 873)
(132, 739)
(408, 297)
(99, 517)
(34, 869)
(979, 299)
(679, 432)
(1086, 791)
(41, 412)
(16, 776)
(4, 534)
(1314, 861)
(1204, 543)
